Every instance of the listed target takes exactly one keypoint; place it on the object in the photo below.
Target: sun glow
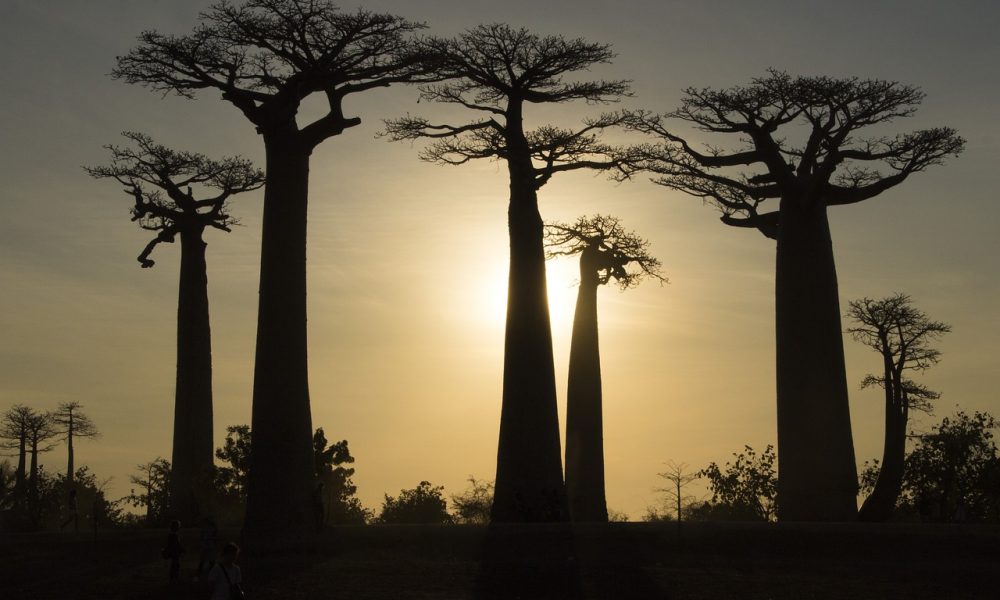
(485, 297)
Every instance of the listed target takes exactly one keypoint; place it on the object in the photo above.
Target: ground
(616, 561)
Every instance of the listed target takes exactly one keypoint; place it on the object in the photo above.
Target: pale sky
(407, 260)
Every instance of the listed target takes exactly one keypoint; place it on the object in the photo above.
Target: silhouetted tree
(340, 505)
(801, 142)
(678, 477)
(422, 504)
(154, 483)
(267, 57)
(7, 482)
(902, 335)
(868, 476)
(953, 473)
(156, 178)
(745, 489)
(473, 506)
(494, 71)
(69, 422)
(236, 452)
(14, 428)
(40, 433)
(607, 253)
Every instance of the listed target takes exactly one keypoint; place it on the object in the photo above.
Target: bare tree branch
(149, 170)
(832, 165)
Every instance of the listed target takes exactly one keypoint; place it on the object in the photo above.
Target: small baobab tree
(71, 423)
(804, 142)
(14, 435)
(266, 57)
(160, 181)
(608, 253)
(677, 476)
(495, 72)
(902, 335)
(40, 433)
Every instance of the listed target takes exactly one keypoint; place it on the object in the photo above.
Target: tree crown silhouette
(267, 56)
(494, 69)
(160, 180)
(801, 137)
(903, 335)
(623, 256)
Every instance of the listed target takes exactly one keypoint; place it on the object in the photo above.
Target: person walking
(225, 578)
(207, 540)
(173, 550)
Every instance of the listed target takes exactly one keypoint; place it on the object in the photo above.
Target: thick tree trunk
(69, 452)
(817, 478)
(529, 483)
(584, 419)
(192, 458)
(20, 476)
(880, 504)
(33, 473)
(281, 456)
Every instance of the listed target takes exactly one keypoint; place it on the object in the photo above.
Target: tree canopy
(903, 335)
(799, 136)
(160, 180)
(492, 70)
(625, 256)
(267, 56)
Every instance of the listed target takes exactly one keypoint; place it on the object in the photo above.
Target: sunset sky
(407, 260)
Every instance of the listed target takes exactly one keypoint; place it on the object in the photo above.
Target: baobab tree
(40, 432)
(801, 141)
(902, 335)
(72, 424)
(678, 476)
(160, 181)
(266, 57)
(607, 253)
(495, 71)
(14, 428)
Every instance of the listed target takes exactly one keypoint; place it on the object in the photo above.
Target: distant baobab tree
(902, 335)
(40, 432)
(266, 57)
(156, 178)
(14, 435)
(678, 476)
(494, 71)
(607, 253)
(70, 422)
(800, 140)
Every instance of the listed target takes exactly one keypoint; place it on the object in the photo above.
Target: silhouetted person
(207, 541)
(225, 577)
(173, 550)
(71, 509)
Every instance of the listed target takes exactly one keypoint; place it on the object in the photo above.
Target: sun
(486, 300)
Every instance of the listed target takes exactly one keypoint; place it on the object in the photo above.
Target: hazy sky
(407, 260)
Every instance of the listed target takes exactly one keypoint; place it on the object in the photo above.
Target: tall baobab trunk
(878, 506)
(529, 483)
(69, 446)
(20, 476)
(33, 473)
(817, 477)
(192, 458)
(281, 456)
(584, 419)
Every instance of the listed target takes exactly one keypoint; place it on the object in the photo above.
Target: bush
(422, 504)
